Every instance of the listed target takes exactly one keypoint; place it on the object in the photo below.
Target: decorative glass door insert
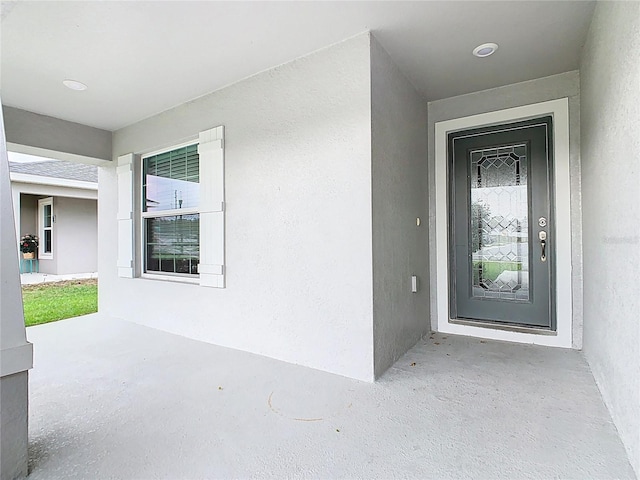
(499, 223)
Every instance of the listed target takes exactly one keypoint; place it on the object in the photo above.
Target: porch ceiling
(113, 399)
(140, 58)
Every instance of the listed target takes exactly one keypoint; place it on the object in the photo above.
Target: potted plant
(29, 246)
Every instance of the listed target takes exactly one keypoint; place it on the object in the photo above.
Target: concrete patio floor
(111, 399)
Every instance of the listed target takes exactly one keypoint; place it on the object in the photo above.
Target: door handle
(542, 235)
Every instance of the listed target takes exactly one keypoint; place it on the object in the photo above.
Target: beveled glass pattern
(499, 223)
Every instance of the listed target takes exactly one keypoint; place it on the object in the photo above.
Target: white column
(16, 354)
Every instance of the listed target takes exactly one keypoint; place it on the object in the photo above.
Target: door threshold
(503, 326)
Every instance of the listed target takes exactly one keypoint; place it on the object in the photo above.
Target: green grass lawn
(48, 302)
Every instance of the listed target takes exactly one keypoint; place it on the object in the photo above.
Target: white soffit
(140, 58)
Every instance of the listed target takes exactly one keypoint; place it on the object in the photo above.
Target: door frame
(562, 337)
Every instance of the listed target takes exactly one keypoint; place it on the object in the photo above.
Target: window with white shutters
(182, 234)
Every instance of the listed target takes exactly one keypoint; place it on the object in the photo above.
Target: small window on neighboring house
(45, 227)
(171, 211)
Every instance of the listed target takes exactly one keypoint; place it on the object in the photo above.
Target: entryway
(503, 225)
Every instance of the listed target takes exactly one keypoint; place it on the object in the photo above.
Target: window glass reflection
(171, 180)
(173, 244)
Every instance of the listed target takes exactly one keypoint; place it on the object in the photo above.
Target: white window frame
(177, 277)
(41, 228)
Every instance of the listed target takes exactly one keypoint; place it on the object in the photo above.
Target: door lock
(542, 235)
(542, 222)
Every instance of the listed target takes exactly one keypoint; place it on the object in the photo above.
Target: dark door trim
(538, 310)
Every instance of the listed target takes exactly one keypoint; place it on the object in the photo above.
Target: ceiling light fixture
(485, 49)
(74, 85)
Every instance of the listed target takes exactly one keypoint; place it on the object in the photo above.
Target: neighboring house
(57, 200)
(303, 212)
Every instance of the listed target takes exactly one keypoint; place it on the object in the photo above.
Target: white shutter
(125, 171)
(211, 152)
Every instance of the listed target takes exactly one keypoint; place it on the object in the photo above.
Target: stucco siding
(76, 235)
(399, 198)
(610, 81)
(298, 216)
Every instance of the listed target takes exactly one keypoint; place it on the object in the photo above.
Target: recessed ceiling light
(485, 49)
(74, 85)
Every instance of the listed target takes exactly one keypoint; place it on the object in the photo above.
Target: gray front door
(500, 224)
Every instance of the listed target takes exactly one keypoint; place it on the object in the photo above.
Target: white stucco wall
(610, 117)
(519, 94)
(399, 197)
(76, 237)
(298, 216)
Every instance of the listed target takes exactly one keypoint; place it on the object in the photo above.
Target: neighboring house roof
(57, 169)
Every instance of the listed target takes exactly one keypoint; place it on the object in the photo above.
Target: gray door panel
(500, 188)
